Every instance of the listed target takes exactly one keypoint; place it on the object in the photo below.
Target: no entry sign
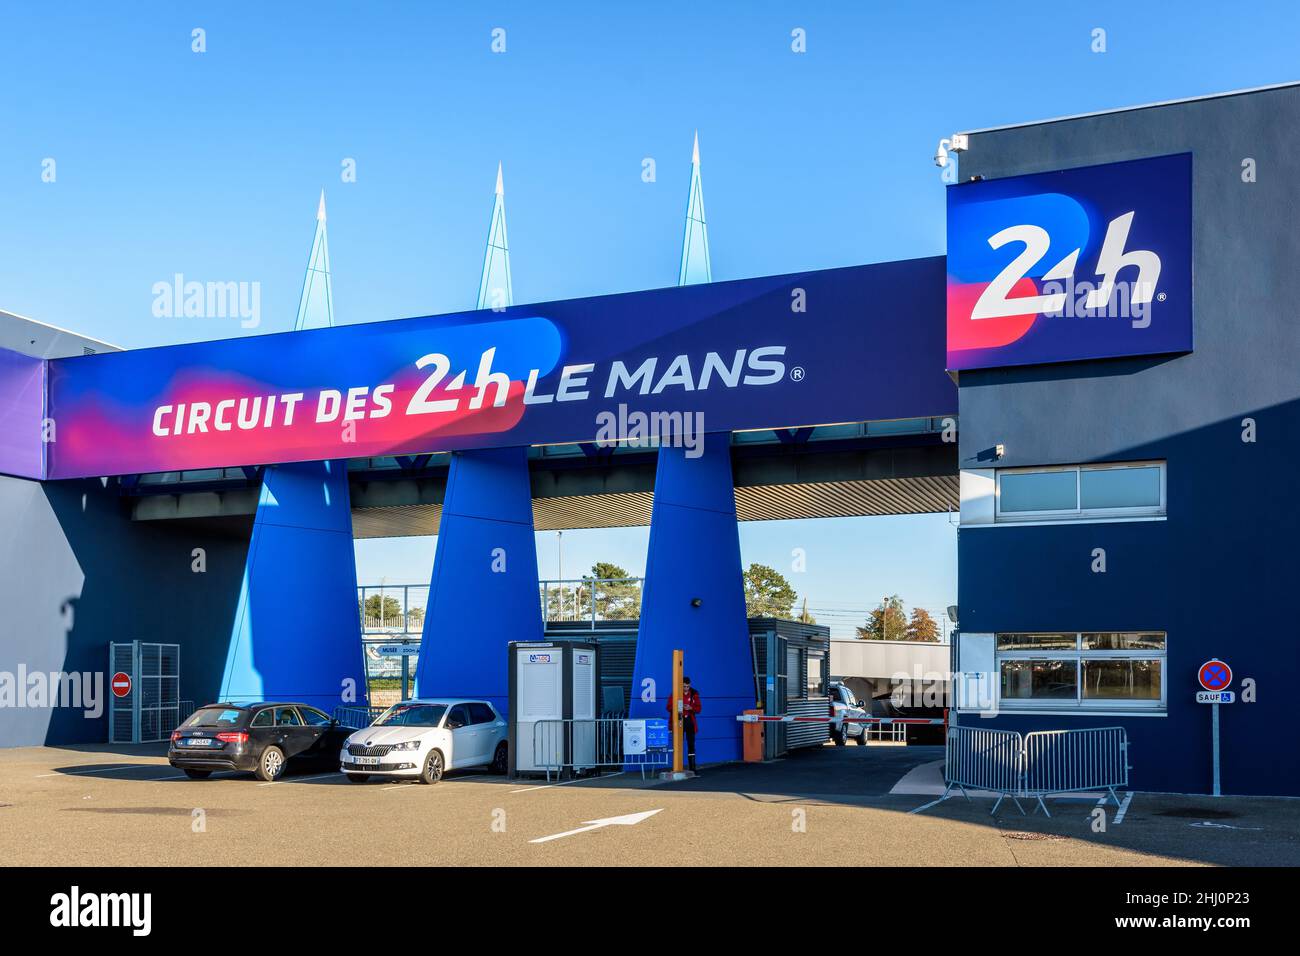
(121, 684)
(1214, 675)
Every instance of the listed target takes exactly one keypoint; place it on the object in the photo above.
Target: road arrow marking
(627, 820)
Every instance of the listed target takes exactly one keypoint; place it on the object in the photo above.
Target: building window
(1081, 492)
(1065, 672)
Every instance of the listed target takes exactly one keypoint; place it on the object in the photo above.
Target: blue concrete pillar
(483, 593)
(297, 632)
(695, 554)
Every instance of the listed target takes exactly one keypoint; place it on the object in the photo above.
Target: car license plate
(367, 761)
(199, 742)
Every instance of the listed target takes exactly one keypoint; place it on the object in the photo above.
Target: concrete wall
(1218, 575)
(76, 573)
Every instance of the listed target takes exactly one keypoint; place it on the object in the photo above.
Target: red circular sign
(1214, 675)
(121, 684)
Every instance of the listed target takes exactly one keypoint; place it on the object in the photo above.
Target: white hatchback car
(422, 739)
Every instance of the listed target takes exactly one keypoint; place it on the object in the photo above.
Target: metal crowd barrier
(357, 717)
(592, 744)
(1037, 764)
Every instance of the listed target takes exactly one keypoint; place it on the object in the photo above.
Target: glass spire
(494, 290)
(695, 243)
(316, 305)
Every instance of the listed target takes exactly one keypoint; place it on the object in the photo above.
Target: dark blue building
(1125, 519)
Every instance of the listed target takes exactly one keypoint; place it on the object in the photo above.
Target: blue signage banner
(1085, 263)
(841, 345)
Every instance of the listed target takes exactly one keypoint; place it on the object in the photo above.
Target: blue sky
(210, 164)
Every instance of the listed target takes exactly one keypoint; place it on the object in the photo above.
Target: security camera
(957, 143)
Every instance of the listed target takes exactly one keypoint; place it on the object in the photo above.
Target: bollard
(753, 739)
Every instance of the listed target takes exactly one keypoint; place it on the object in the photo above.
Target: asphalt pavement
(114, 805)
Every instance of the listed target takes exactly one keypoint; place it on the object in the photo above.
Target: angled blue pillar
(695, 555)
(483, 593)
(297, 632)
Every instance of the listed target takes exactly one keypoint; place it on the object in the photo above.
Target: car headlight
(407, 745)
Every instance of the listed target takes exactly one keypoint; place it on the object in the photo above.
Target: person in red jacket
(690, 707)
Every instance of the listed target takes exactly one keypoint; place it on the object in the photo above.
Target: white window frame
(1079, 513)
(1079, 655)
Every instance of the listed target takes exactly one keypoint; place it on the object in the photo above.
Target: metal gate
(150, 709)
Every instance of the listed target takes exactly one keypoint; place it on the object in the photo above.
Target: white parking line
(564, 783)
(1123, 808)
(927, 806)
(316, 776)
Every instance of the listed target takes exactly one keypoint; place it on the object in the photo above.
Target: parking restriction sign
(1214, 674)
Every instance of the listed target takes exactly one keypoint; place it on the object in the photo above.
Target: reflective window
(1037, 491)
(287, 717)
(314, 718)
(459, 717)
(1063, 672)
(217, 717)
(1103, 488)
(481, 714)
(1081, 492)
(1039, 680)
(263, 718)
(1129, 641)
(1037, 642)
(1123, 680)
(412, 715)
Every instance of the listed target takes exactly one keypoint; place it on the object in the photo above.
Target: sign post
(1214, 677)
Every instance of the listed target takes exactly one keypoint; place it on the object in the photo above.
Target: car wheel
(501, 759)
(861, 739)
(432, 771)
(198, 774)
(357, 777)
(838, 737)
(271, 764)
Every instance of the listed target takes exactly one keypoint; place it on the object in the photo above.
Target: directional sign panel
(1214, 675)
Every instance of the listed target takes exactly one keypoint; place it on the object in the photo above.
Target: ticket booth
(553, 706)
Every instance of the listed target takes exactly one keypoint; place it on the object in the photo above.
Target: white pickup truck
(844, 704)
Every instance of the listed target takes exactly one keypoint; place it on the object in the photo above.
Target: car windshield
(412, 715)
(216, 717)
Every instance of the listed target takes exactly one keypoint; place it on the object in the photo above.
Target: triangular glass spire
(695, 244)
(316, 305)
(494, 290)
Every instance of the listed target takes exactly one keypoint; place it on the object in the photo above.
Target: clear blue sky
(210, 164)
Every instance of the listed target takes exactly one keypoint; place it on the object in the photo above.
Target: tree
(887, 622)
(804, 616)
(922, 627)
(616, 600)
(768, 593)
(385, 614)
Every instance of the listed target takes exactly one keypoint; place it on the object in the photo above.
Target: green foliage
(768, 593)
